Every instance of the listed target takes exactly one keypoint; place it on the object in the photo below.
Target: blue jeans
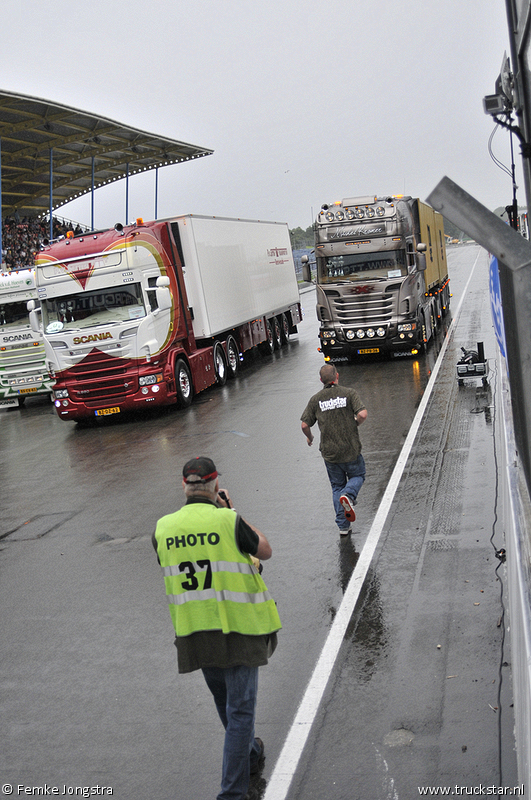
(235, 691)
(345, 479)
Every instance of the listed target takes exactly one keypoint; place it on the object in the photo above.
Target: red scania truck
(382, 277)
(152, 313)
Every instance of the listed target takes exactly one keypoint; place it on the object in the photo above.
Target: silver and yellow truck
(381, 276)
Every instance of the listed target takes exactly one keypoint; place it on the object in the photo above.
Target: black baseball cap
(199, 470)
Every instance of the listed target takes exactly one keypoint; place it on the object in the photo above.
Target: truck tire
(434, 318)
(269, 345)
(421, 332)
(284, 328)
(277, 333)
(424, 330)
(233, 357)
(183, 384)
(220, 364)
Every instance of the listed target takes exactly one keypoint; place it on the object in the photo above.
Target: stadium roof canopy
(78, 150)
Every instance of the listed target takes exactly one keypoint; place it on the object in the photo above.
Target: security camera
(494, 104)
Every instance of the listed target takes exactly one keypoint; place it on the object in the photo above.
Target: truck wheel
(277, 333)
(434, 318)
(183, 384)
(421, 328)
(269, 345)
(284, 328)
(220, 365)
(233, 357)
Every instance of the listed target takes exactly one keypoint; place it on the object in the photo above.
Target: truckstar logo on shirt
(334, 402)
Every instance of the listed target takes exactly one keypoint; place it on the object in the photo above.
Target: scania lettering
(382, 286)
(22, 364)
(153, 313)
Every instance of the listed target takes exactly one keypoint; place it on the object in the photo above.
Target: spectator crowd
(22, 238)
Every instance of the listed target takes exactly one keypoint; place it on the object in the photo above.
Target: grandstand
(51, 154)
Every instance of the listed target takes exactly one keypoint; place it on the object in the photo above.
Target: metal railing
(514, 265)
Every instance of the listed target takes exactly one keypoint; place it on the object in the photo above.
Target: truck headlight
(350, 334)
(149, 380)
(60, 394)
(380, 332)
(406, 326)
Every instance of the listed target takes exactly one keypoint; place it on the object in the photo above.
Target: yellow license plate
(27, 391)
(368, 350)
(104, 411)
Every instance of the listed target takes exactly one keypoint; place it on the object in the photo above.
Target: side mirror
(33, 316)
(421, 257)
(163, 293)
(306, 269)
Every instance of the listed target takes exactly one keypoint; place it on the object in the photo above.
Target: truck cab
(371, 279)
(23, 372)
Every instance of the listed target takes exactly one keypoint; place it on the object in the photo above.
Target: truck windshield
(99, 307)
(13, 315)
(355, 266)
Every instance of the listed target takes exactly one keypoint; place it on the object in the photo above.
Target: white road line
(290, 754)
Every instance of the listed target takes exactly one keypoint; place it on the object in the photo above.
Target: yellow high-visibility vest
(210, 583)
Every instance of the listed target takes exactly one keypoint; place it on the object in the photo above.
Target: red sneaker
(348, 507)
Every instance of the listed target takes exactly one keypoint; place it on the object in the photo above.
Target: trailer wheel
(220, 365)
(183, 384)
(233, 357)
(284, 328)
(269, 345)
(277, 333)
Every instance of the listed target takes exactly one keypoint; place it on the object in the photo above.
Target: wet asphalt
(420, 695)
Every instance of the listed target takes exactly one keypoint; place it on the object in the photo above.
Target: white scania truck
(382, 277)
(22, 363)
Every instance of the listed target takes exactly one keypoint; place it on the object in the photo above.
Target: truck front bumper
(337, 349)
(146, 396)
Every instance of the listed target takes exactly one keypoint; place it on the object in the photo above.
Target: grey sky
(302, 102)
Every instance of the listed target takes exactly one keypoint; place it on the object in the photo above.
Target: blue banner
(496, 305)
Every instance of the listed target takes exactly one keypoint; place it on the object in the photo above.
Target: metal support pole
(92, 198)
(51, 193)
(1, 215)
(156, 191)
(127, 195)
(514, 263)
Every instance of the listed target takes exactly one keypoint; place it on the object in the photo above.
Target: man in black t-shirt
(338, 411)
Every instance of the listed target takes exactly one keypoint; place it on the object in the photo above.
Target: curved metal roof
(30, 127)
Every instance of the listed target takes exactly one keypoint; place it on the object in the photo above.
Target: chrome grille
(374, 309)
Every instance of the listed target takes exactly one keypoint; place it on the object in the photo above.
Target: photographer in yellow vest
(225, 620)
